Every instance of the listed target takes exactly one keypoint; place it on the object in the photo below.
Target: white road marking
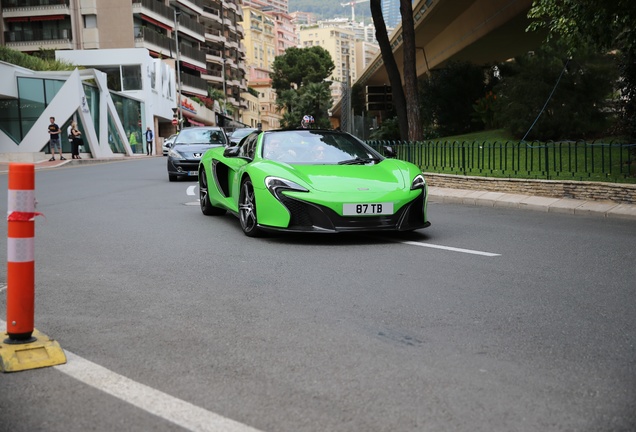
(448, 248)
(190, 190)
(177, 411)
(2, 287)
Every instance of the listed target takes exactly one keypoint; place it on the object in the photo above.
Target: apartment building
(285, 31)
(261, 44)
(281, 6)
(340, 43)
(303, 18)
(209, 36)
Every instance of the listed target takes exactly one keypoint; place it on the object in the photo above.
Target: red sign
(174, 122)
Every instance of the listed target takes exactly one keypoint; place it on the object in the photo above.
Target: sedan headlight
(175, 154)
(276, 185)
(418, 182)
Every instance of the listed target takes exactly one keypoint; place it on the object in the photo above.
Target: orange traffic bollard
(21, 253)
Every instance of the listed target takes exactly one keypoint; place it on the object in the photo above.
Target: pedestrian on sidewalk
(149, 137)
(54, 139)
(133, 141)
(77, 141)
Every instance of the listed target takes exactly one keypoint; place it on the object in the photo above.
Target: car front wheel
(204, 198)
(247, 210)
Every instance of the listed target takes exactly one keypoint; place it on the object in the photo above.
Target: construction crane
(353, 4)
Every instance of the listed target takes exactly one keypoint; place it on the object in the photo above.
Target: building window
(131, 77)
(90, 21)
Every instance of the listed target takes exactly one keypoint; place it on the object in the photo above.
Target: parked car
(238, 134)
(167, 143)
(312, 180)
(188, 148)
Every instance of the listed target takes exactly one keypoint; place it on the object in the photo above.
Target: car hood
(385, 176)
(191, 149)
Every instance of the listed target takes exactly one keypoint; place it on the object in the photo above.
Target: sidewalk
(607, 209)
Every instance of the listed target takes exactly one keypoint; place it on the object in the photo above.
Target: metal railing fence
(573, 160)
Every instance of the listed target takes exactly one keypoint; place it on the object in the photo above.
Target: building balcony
(192, 55)
(34, 8)
(34, 39)
(154, 10)
(212, 35)
(213, 76)
(213, 56)
(195, 6)
(194, 82)
(150, 39)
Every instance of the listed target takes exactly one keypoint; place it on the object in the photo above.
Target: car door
(233, 165)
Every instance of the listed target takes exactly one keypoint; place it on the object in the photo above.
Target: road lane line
(177, 411)
(448, 248)
(156, 402)
(190, 190)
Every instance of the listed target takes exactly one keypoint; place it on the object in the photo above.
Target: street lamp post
(178, 60)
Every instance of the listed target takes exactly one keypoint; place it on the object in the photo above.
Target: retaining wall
(616, 192)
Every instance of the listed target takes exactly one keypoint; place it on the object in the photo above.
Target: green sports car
(311, 180)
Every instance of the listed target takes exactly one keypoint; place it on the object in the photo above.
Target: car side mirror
(231, 151)
(389, 152)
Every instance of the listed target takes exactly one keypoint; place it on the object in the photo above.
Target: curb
(607, 209)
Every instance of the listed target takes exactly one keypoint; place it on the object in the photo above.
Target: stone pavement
(607, 209)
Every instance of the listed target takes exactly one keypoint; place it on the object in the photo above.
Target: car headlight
(276, 185)
(175, 154)
(418, 182)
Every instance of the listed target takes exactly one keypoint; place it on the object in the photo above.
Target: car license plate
(193, 173)
(367, 209)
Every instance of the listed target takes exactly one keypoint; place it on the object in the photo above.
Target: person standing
(149, 137)
(54, 139)
(77, 140)
(133, 141)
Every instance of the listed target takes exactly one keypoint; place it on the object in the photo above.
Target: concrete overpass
(477, 31)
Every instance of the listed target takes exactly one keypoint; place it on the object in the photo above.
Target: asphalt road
(492, 319)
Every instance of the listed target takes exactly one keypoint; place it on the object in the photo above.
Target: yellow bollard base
(43, 352)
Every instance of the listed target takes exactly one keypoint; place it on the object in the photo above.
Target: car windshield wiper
(358, 161)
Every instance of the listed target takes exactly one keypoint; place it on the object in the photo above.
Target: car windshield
(201, 136)
(317, 147)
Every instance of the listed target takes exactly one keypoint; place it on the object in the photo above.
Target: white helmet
(306, 121)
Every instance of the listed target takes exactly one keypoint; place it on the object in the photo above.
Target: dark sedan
(239, 134)
(188, 148)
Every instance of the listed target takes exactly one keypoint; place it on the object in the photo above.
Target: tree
(301, 66)
(410, 70)
(450, 94)
(399, 100)
(312, 99)
(607, 25)
(299, 78)
(578, 107)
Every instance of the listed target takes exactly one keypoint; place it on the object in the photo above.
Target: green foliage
(358, 102)
(253, 92)
(389, 130)
(41, 62)
(608, 26)
(301, 66)
(215, 94)
(313, 99)
(581, 23)
(447, 97)
(576, 109)
(487, 109)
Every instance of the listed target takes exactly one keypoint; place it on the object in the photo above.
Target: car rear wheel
(247, 210)
(204, 199)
